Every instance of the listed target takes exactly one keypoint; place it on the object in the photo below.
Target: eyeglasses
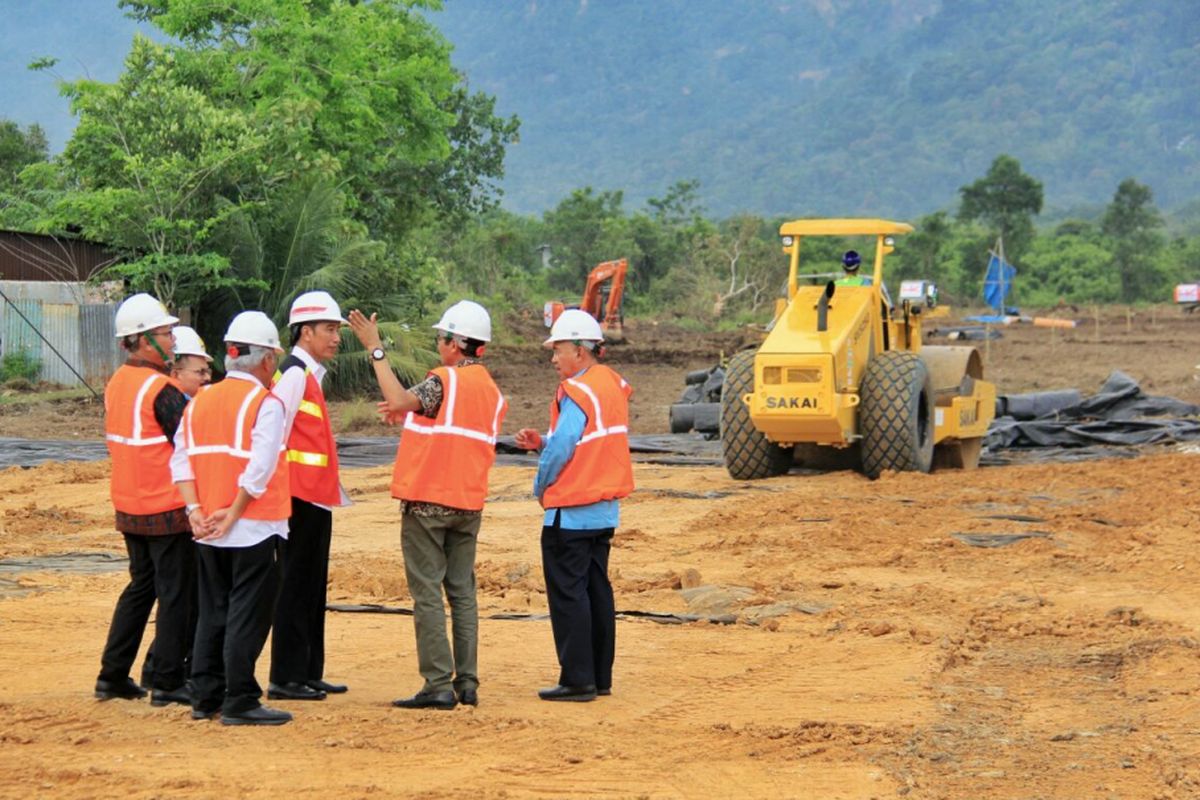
(441, 337)
(203, 372)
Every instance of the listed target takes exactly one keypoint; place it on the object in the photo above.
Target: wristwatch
(190, 507)
(378, 355)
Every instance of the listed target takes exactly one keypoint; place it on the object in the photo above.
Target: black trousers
(298, 637)
(582, 612)
(237, 594)
(161, 568)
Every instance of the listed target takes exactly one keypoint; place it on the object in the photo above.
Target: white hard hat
(315, 307)
(466, 318)
(141, 313)
(189, 343)
(575, 325)
(253, 327)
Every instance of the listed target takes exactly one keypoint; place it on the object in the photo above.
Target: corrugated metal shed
(81, 332)
(60, 326)
(22, 320)
(34, 257)
(100, 353)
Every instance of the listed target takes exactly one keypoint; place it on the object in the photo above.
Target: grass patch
(358, 416)
(21, 397)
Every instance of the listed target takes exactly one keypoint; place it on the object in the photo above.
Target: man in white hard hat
(451, 421)
(583, 471)
(230, 467)
(193, 365)
(298, 634)
(191, 370)
(142, 410)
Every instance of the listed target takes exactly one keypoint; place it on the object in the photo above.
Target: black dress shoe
(293, 691)
(123, 690)
(605, 692)
(163, 697)
(257, 716)
(326, 686)
(575, 694)
(199, 713)
(469, 697)
(443, 701)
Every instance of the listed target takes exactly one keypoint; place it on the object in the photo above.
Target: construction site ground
(851, 640)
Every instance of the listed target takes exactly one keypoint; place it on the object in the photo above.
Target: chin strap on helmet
(167, 359)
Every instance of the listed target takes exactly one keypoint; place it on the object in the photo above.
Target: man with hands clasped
(230, 467)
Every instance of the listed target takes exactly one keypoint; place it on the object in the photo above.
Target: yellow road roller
(842, 378)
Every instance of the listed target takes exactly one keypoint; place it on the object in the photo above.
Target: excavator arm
(601, 298)
(607, 313)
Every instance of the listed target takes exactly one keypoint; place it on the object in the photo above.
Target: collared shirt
(557, 450)
(290, 389)
(266, 440)
(168, 410)
(431, 392)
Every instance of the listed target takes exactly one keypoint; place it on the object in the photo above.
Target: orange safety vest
(446, 460)
(217, 428)
(600, 468)
(311, 450)
(141, 453)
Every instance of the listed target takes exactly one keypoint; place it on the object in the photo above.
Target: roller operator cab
(843, 378)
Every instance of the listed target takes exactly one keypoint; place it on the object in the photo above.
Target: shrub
(19, 364)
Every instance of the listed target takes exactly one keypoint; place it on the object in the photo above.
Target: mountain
(835, 107)
(823, 107)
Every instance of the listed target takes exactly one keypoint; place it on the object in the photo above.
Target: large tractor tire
(896, 414)
(748, 454)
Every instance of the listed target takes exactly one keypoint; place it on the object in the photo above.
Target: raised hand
(365, 328)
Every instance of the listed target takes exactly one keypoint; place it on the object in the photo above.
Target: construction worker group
(224, 493)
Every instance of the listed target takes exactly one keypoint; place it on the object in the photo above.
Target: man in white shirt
(298, 633)
(230, 468)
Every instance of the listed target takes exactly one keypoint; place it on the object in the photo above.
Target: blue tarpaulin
(997, 283)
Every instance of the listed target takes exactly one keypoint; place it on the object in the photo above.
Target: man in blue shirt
(583, 471)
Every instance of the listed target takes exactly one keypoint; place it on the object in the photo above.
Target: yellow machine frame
(808, 371)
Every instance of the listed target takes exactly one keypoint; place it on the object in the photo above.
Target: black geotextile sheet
(1119, 414)
(1056, 426)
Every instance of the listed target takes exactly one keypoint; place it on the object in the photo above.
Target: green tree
(18, 149)
(1006, 200)
(1069, 267)
(922, 252)
(1133, 224)
(156, 168)
(361, 93)
(584, 230)
(305, 243)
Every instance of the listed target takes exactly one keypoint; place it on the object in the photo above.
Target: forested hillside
(803, 107)
(838, 106)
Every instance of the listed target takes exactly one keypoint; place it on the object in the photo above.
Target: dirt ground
(1158, 346)
(871, 649)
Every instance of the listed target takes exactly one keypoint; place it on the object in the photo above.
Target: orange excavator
(601, 298)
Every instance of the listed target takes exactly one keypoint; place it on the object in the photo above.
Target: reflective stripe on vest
(137, 440)
(412, 421)
(219, 449)
(311, 450)
(309, 407)
(446, 460)
(601, 467)
(600, 431)
(141, 453)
